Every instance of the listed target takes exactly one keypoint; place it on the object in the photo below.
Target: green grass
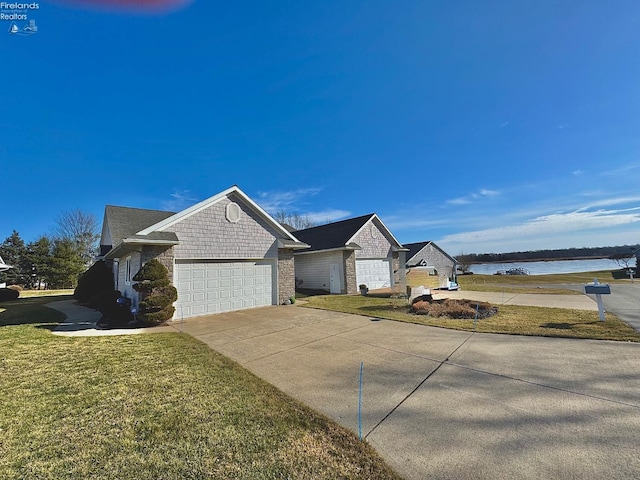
(153, 406)
(604, 276)
(510, 319)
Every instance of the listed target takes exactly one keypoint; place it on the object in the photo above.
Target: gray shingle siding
(208, 234)
(378, 247)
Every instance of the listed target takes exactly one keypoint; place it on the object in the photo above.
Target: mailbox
(601, 289)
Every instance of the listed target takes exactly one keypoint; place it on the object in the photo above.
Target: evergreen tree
(66, 264)
(40, 259)
(14, 252)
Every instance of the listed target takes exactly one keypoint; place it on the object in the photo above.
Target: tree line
(54, 260)
(627, 251)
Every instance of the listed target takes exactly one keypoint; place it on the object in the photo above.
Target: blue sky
(486, 126)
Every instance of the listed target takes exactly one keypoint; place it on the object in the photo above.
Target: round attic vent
(233, 212)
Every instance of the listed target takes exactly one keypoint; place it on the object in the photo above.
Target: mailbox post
(598, 289)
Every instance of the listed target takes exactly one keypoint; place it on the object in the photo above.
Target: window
(127, 272)
(233, 212)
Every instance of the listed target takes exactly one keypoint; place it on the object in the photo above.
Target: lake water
(545, 268)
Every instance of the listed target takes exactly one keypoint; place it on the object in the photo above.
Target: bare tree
(464, 262)
(81, 228)
(623, 260)
(294, 220)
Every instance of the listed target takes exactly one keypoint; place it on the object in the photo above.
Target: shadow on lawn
(565, 325)
(31, 310)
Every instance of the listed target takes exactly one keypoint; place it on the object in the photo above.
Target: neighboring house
(224, 253)
(346, 254)
(432, 258)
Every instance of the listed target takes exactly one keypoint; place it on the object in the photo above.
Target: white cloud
(275, 201)
(622, 170)
(609, 202)
(488, 193)
(180, 199)
(554, 225)
(468, 199)
(459, 201)
(327, 216)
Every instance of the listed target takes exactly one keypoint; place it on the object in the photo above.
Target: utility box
(601, 289)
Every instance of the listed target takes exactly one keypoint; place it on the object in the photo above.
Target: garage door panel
(207, 287)
(374, 273)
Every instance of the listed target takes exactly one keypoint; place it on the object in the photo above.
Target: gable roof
(166, 223)
(414, 249)
(124, 222)
(332, 235)
(125, 226)
(340, 235)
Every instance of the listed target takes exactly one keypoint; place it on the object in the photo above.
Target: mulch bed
(452, 308)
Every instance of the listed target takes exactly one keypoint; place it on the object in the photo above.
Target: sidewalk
(81, 322)
(575, 302)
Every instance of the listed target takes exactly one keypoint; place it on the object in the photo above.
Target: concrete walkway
(81, 322)
(446, 404)
(576, 302)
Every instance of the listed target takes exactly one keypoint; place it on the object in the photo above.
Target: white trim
(349, 248)
(172, 220)
(127, 270)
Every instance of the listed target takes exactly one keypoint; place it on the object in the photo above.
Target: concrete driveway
(446, 404)
(624, 301)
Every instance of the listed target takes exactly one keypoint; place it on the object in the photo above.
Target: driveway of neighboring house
(446, 404)
(624, 301)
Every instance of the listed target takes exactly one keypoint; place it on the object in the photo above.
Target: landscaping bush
(106, 302)
(7, 294)
(452, 308)
(95, 283)
(157, 293)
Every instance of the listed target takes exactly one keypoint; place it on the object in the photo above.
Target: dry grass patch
(510, 319)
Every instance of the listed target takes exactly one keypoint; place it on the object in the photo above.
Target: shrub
(94, 283)
(17, 288)
(106, 301)
(158, 295)
(152, 275)
(7, 294)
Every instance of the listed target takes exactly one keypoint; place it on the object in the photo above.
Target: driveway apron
(446, 404)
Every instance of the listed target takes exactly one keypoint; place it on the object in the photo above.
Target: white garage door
(206, 287)
(374, 273)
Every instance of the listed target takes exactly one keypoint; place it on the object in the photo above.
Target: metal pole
(360, 404)
(600, 307)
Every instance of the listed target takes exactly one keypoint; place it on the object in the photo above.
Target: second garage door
(374, 272)
(206, 287)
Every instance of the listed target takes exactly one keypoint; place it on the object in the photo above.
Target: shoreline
(541, 260)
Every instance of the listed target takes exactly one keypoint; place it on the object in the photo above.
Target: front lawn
(153, 406)
(511, 319)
